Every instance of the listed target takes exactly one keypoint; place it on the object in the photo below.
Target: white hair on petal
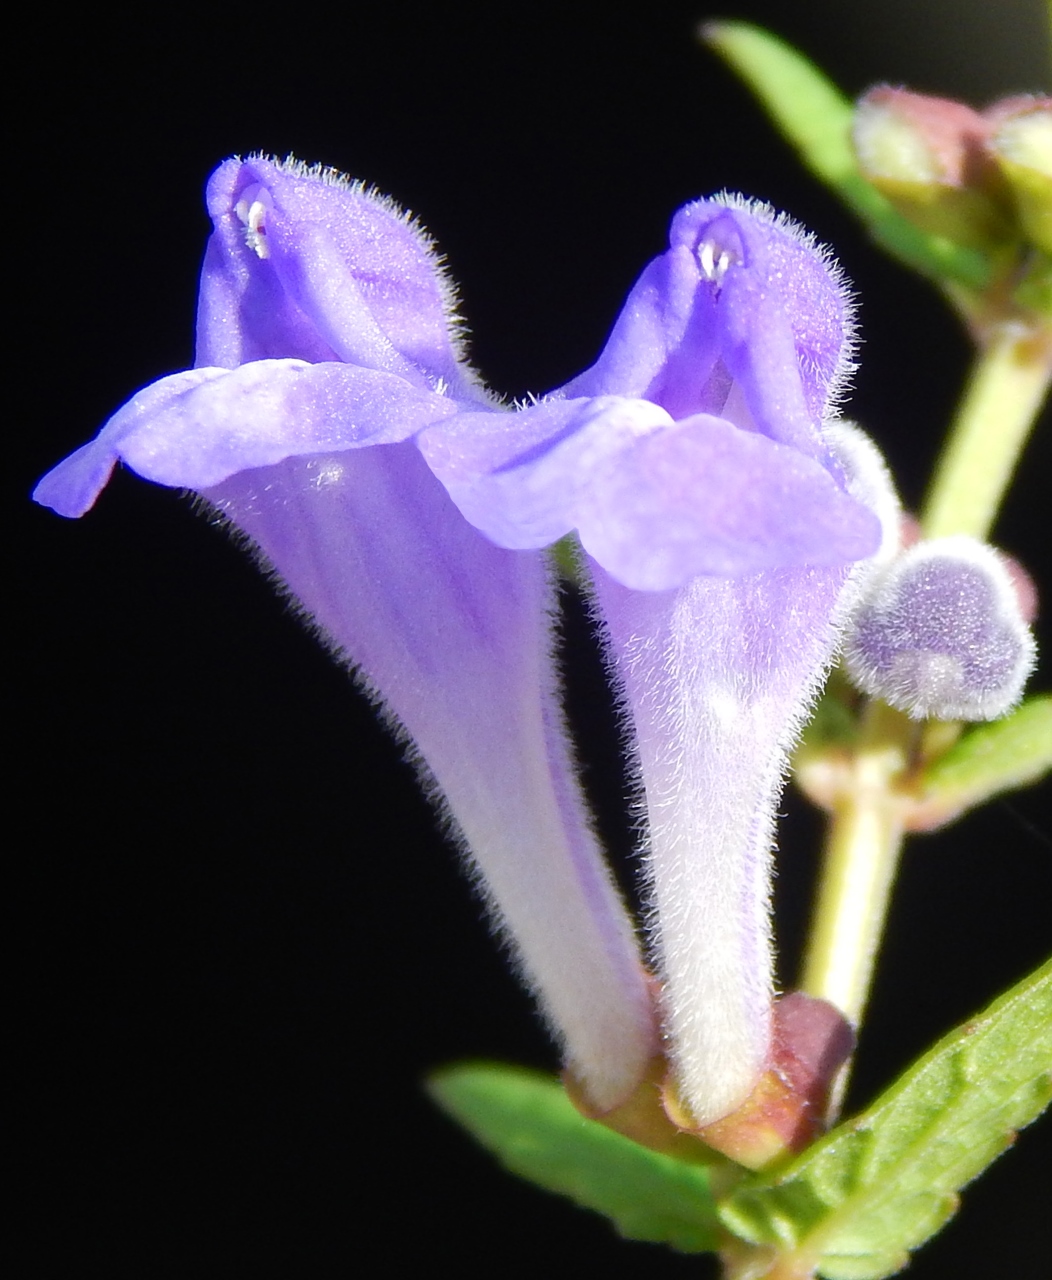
(767, 213)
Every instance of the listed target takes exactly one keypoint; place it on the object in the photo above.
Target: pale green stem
(861, 858)
(865, 832)
(1000, 403)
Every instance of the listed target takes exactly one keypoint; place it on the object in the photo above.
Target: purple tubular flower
(722, 517)
(325, 326)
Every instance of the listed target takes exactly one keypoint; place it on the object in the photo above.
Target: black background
(240, 942)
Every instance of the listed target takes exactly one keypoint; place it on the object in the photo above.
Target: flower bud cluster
(981, 179)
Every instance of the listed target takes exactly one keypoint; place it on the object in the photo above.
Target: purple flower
(720, 513)
(325, 324)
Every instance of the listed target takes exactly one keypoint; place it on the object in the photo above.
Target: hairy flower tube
(722, 515)
(331, 419)
(325, 339)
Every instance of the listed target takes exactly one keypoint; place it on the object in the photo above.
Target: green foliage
(858, 1201)
(852, 1207)
(816, 118)
(989, 759)
(528, 1122)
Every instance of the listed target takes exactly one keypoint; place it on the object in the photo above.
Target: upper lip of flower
(694, 444)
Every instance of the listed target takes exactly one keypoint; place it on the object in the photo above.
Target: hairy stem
(862, 853)
(864, 839)
(1000, 403)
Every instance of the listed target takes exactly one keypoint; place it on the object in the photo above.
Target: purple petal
(452, 635)
(741, 294)
(664, 343)
(71, 488)
(775, 289)
(194, 429)
(654, 502)
(695, 443)
(304, 262)
(519, 476)
(703, 497)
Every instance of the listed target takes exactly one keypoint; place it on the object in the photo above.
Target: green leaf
(567, 560)
(1001, 756)
(528, 1122)
(816, 118)
(879, 1185)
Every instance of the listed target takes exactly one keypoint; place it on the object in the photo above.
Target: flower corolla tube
(333, 420)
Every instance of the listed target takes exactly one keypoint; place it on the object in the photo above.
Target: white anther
(253, 213)
(712, 267)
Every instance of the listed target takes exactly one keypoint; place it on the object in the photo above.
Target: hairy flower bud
(941, 634)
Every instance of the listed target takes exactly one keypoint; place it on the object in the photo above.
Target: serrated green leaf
(816, 118)
(858, 1201)
(1000, 756)
(528, 1122)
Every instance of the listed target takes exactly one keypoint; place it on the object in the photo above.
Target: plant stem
(745, 1262)
(864, 840)
(1000, 403)
(861, 858)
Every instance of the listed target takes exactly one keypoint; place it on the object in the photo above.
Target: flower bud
(928, 156)
(941, 634)
(1021, 145)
